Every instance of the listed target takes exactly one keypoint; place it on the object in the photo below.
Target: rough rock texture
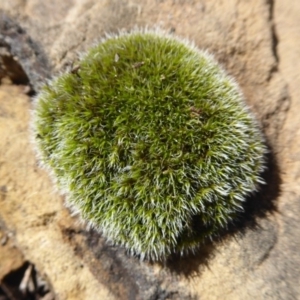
(258, 258)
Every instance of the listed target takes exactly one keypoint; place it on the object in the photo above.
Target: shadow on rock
(21, 58)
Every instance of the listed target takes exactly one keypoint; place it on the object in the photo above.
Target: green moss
(148, 138)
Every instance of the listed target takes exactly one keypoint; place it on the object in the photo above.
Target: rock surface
(259, 257)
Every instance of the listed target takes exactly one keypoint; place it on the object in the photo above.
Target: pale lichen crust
(151, 141)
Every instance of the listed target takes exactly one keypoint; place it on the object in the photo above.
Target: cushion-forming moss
(151, 141)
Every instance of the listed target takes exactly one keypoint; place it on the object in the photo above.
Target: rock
(21, 58)
(11, 257)
(258, 257)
